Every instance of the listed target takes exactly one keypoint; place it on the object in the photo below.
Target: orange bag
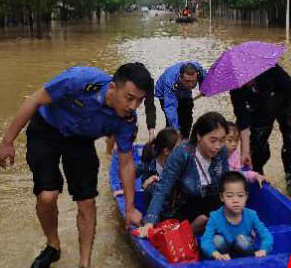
(175, 241)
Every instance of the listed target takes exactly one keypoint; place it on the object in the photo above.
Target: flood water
(157, 41)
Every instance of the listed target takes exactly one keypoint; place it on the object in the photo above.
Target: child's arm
(150, 180)
(218, 256)
(207, 245)
(260, 179)
(235, 164)
(260, 253)
(255, 176)
(265, 236)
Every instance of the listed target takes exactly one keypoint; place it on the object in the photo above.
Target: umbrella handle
(200, 95)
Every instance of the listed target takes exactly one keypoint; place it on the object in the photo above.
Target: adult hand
(245, 147)
(151, 134)
(133, 217)
(218, 256)
(246, 160)
(260, 253)
(144, 231)
(6, 151)
(150, 180)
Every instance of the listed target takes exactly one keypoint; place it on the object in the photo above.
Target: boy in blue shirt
(230, 229)
(66, 116)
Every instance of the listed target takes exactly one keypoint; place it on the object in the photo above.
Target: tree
(250, 4)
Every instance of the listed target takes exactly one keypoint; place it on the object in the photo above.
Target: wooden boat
(183, 19)
(273, 208)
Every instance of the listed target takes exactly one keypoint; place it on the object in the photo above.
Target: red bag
(175, 241)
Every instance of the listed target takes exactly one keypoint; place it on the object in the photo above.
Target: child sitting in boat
(154, 155)
(230, 230)
(234, 157)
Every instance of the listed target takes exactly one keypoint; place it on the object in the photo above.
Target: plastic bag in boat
(175, 241)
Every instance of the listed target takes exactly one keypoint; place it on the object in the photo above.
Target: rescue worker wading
(66, 116)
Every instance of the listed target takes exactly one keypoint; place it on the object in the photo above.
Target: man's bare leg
(86, 222)
(47, 212)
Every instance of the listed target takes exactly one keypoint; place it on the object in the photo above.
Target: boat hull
(273, 208)
(185, 20)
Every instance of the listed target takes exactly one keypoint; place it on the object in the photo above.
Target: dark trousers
(185, 117)
(261, 128)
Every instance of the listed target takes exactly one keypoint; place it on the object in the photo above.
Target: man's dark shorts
(46, 147)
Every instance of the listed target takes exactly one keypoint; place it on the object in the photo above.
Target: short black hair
(136, 73)
(188, 68)
(232, 176)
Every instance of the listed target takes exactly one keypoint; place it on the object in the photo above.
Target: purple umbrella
(239, 65)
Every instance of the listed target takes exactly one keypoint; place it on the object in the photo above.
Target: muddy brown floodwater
(25, 64)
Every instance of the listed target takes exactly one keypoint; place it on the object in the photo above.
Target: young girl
(154, 155)
(234, 157)
(229, 230)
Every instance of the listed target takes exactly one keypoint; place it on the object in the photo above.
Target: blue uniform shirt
(78, 107)
(168, 89)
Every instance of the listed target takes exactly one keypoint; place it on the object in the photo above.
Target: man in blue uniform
(66, 116)
(174, 90)
(150, 112)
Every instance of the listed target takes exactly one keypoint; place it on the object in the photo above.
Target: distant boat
(183, 19)
(185, 15)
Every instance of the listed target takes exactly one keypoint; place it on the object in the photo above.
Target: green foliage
(239, 4)
(112, 5)
(17, 11)
(21, 11)
(250, 4)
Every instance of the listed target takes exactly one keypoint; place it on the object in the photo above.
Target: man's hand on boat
(144, 230)
(133, 216)
(260, 253)
(218, 256)
(6, 151)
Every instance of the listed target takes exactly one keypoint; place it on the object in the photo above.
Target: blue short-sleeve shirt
(78, 107)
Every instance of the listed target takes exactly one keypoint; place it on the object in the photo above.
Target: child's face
(232, 140)
(234, 197)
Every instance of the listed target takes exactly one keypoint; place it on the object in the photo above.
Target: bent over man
(66, 116)
(174, 91)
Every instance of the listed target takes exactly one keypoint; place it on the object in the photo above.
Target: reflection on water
(26, 64)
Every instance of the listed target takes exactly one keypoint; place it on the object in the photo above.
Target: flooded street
(158, 42)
